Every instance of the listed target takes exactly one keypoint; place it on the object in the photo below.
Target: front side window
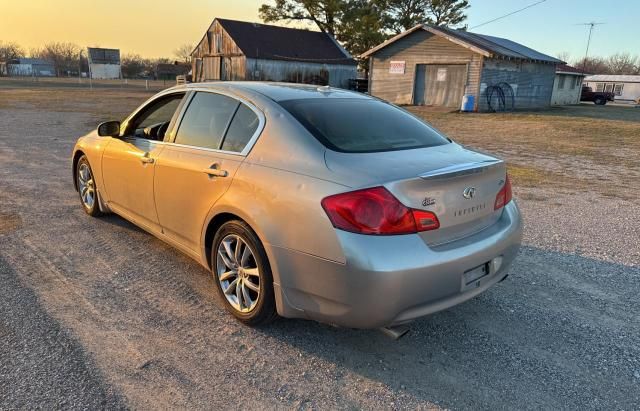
(152, 122)
(362, 125)
(206, 120)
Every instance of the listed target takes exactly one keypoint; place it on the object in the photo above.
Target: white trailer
(626, 88)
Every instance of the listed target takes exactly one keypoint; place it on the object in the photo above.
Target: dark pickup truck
(598, 97)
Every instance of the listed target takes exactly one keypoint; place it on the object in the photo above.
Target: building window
(572, 84)
(578, 80)
(608, 88)
(561, 79)
(599, 86)
(617, 89)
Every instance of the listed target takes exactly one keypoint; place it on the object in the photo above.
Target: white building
(30, 67)
(104, 63)
(567, 86)
(625, 87)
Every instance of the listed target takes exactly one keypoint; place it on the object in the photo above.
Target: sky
(155, 28)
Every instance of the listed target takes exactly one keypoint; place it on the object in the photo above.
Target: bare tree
(623, 63)
(183, 53)
(564, 56)
(10, 51)
(64, 56)
(593, 65)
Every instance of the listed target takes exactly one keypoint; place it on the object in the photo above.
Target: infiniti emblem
(469, 192)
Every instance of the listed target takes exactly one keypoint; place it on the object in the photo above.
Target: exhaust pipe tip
(396, 332)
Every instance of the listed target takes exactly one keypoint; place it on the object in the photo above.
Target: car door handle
(146, 159)
(214, 171)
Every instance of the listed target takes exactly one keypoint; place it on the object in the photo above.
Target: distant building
(625, 87)
(104, 63)
(438, 66)
(171, 71)
(238, 50)
(30, 67)
(567, 86)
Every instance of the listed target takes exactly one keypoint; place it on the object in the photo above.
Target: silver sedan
(305, 201)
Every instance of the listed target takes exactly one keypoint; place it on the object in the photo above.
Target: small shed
(567, 85)
(239, 50)
(438, 66)
(167, 71)
(626, 88)
(30, 67)
(104, 63)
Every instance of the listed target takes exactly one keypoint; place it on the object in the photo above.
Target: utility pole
(586, 54)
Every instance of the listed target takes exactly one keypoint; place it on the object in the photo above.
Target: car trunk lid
(457, 184)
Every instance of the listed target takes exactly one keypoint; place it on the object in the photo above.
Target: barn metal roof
(567, 69)
(486, 45)
(282, 43)
(622, 78)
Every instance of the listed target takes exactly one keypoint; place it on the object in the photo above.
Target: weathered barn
(104, 63)
(567, 86)
(626, 88)
(30, 67)
(238, 50)
(437, 66)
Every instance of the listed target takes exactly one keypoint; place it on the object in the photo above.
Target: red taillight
(504, 195)
(376, 211)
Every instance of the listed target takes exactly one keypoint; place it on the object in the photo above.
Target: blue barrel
(468, 102)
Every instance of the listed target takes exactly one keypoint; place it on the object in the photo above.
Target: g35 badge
(428, 201)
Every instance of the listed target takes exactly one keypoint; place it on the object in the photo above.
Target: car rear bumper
(389, 280)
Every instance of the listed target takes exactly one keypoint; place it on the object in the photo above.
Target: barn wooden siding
(532, 83)
(335, 75)
(217, 57)
(420, 47)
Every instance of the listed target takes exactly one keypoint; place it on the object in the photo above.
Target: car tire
(243, 275)
(599, 101)
(86, 187)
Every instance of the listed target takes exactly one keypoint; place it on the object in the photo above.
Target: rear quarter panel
(284, 209)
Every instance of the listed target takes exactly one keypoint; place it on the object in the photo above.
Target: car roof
(281, 91)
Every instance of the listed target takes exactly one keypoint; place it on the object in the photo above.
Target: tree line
(619, 63)
(70, 59)
(360, 25)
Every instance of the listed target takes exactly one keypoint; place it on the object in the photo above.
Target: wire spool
(500, 97)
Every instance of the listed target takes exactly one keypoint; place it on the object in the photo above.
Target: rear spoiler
(463, 169)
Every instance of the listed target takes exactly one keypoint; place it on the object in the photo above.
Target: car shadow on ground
(556, 325)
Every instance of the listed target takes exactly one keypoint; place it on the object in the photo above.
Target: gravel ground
(98, 314)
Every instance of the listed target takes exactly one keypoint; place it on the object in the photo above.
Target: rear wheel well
(76, 158)
(215, 223)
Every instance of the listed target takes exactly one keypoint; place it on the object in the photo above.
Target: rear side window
(206, 120)
(243, 126)
(362, 125)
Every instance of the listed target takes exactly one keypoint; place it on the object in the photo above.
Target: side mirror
(109, 129)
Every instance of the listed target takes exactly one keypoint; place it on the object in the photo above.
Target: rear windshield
(362, 125)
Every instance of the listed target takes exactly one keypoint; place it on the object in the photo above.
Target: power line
(507, 15)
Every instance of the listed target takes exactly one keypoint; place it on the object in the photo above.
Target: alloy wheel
(86, 186)
(238, 273)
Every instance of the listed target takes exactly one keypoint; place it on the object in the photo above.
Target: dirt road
(140, 325)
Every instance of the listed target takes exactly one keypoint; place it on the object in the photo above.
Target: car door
(210, 143)
(128, 162)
